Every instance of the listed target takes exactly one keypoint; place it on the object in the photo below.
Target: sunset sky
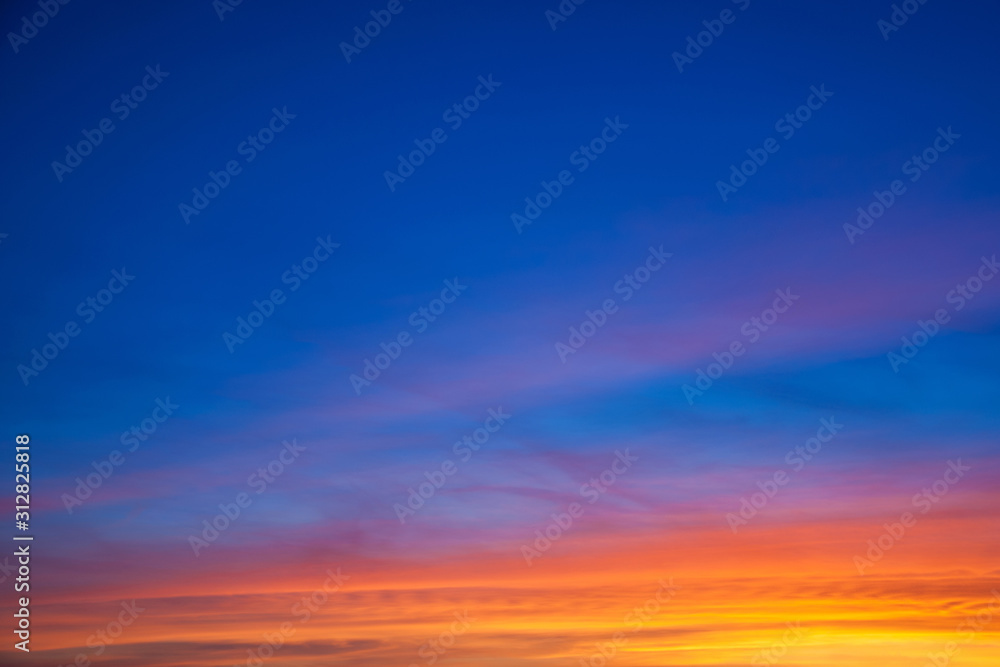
(722, 391)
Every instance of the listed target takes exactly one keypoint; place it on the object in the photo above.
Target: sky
(508, 334)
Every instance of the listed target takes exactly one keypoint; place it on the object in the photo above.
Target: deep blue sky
(323, 175)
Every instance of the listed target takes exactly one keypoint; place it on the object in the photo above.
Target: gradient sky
(494, 348)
